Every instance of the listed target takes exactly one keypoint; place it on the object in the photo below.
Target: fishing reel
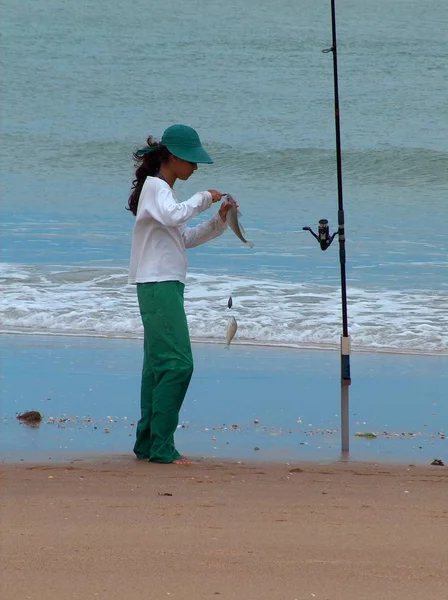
(323, 236)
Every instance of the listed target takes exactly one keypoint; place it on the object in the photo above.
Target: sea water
(84, 84)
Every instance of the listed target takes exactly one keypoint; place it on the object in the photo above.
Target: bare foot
(181, 461)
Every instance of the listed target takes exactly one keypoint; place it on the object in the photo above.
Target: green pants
(167, 369)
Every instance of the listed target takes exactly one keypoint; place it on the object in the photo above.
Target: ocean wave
(98, 301)
(390, 165)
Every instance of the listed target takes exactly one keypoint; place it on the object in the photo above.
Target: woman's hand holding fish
(225, 207)
(216, 196)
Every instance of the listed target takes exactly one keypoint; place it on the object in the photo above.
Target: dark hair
(146, 165)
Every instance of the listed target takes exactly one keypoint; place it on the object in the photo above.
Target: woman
(158, 267)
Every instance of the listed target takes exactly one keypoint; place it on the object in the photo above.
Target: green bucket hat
(183, 141)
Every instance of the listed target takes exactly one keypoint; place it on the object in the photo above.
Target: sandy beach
(270, 508)
(239, 531)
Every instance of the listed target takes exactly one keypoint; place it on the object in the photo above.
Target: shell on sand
(30, 417)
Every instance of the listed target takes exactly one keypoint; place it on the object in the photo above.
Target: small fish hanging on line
(230, 302)
(231, 330)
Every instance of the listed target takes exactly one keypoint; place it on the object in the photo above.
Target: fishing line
(230, 300)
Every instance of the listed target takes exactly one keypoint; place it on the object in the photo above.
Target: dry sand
(124, 530)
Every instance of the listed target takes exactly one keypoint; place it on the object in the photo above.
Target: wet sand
(243, 403)
(239, 531)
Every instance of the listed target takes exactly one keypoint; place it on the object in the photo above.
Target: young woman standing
(158, 267)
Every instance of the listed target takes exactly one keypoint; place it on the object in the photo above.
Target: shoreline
(235, 342)
(129, 461)
(61, 459)
(120, 459)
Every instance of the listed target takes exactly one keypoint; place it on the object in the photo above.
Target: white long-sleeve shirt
(160, 235)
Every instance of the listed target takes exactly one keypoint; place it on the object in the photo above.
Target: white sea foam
(98, 301)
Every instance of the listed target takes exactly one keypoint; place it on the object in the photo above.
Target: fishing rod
(325, 238)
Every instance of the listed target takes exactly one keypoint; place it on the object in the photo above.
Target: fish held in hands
(232, 328)
(233, 219)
